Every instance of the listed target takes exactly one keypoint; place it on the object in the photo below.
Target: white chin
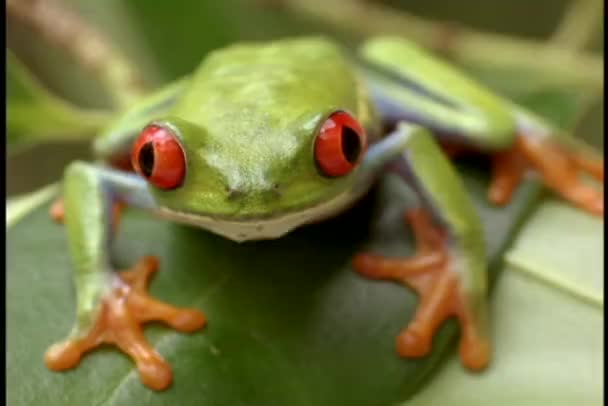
(264, 228)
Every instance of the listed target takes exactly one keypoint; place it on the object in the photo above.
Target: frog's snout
(233, 194)
(243, 194)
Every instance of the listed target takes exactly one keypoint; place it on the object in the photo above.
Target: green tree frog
(263, 138)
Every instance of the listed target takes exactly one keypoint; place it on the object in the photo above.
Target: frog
(265, 137)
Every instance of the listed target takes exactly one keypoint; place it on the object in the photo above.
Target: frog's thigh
(408, 83)
(449, 278)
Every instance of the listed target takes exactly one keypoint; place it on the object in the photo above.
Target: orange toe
(508, 170)
(56, 212)
(560, 169)
(412, 344)
(430, 273)
(123, 311)
(474, 353)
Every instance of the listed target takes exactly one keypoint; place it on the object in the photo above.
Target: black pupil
(146, 159)
(351, 145)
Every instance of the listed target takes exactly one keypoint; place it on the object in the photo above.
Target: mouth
(262, 227)
(239, 229)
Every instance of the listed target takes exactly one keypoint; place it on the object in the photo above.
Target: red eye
(158, 157)
(340, 144)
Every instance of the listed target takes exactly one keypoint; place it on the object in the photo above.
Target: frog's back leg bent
(409, 84)
(111, 307)
(113, 145)
(448, 270)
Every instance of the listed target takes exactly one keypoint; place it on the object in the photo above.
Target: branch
(65, 29)
(579, 24)
(465, 46)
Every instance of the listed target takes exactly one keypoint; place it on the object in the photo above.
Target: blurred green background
(168, 39)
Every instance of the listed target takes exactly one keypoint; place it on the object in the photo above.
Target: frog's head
(272, 187)
(255, 168)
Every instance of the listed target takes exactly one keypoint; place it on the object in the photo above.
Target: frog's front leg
(111, 307)
(113, 145)
(448, 271)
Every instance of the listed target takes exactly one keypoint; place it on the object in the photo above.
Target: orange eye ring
(340, 144)
(158, 157)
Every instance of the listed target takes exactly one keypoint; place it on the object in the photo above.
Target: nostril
(234, 194)
(276, 189)
(271, 192)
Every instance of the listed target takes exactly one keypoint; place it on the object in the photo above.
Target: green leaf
(289, 320)
(19, 206)
(548, 351)
(33, 114)
(571, 261)
(547, 320)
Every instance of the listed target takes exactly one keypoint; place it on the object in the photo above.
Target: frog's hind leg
(559, 168)
(408, 84)
(508, 170)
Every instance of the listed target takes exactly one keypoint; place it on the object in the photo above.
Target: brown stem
(65, 29)
(579, 24)
(464, 45)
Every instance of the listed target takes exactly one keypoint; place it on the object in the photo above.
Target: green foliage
(33, 114)
(290, 322)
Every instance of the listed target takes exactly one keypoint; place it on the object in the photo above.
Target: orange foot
(124, 309)
(560, 170)
(429, 274)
